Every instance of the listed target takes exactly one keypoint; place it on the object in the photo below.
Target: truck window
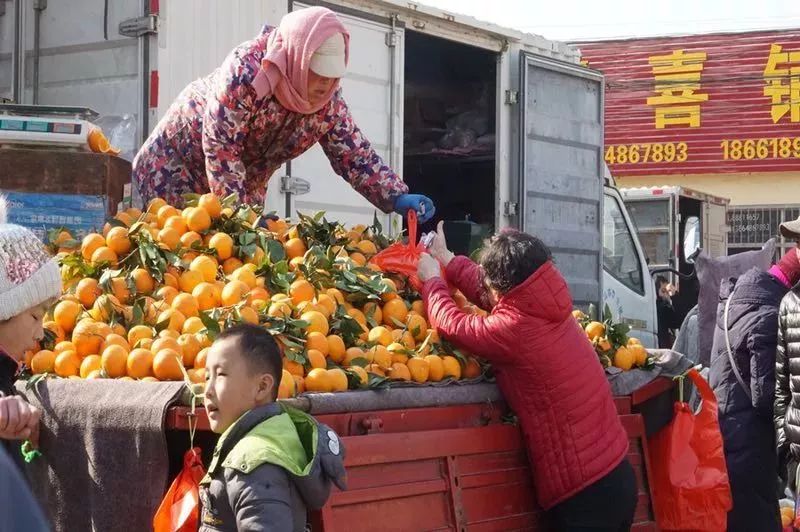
(652, 221)
(620, 259)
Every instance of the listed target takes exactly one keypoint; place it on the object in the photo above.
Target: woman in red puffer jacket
(546, 369)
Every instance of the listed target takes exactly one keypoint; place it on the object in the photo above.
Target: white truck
(534, 160)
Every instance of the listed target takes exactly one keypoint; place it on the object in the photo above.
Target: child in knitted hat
(29, 282)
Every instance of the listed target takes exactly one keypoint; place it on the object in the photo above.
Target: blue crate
(79, 214)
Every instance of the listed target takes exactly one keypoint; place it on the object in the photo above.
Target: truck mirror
(691, 238)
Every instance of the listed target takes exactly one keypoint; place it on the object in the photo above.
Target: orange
(230, 265)
(116, 339)
(472, 369)
(398, 352)
(301, 290)
(206, 266)
(186, 304)
(300, 383)
(113, 360)
(211, 204)
(419, 369)
(167, 294)
(337, 379)
(359, 317)
(399, 372)
(56, 329)
(417, 326)
(639, 354)
(355, 353)
(192, 325)
(189, 238)
(336, 348)
(595, 329)
(433, 337)
(287, 387)
(380, 335)
(358, 259)
(327, 303)
(317, 322)
(336, 295)
(62, 346)
(175, 318)
(165, 213)
(90, 364)
(154, 205)
(362, 374)
(88, 337)
(245, 275)
(67, 364)
(293, 367)
(197, 376)
(44, 361)
(91, 243)
(308, 306)
(167, 333)
(167, 365)
(578, 315)
(118, 241)
(279, 309)
(104, 254)
(419, 307)
(451, 366)
(316, 359)
(375, 370)
(257, 257)
(119, 288)
(177, 223)
(404, 338)
(249, 315)
(634, 341)
(367, 248)
(294, 264)
(87, 291)
(189, 280)
(139, 363)
(318, 380)
(134, 213)
(234, 292)
(222, 243)
(394, 310)
(145, 284)
(170, 237)
(295, 248)
(624, 358)
(171, 280)
(200, 359)
(317, 341)
(66, 315)
(602, 344)
(198, 220)
(392, 290)
(207, 296)
(256, 294)
(380, 356)
(139, 333)
(374, 311)
(190, 348)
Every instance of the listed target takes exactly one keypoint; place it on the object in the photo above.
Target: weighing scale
(51, 127)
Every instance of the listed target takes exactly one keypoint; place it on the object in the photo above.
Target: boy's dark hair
(259, 349)
(510, 257)
(661, 280)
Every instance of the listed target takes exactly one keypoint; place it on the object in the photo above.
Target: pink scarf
(284, 68)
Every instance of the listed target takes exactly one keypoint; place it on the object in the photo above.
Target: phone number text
(658, 152)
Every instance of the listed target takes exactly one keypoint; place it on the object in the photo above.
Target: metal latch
(391, 39)
(511, 208)
(295, 185)
(139, 26)
(512, 97)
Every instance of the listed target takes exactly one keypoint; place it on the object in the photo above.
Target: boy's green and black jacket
(268, 469)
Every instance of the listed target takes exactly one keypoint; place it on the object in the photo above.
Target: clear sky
(595, 19)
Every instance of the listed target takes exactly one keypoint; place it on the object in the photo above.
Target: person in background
(271, 463)
(546, 369)
(20, 512)
(742, 375)
(668, 319)
(272, 99)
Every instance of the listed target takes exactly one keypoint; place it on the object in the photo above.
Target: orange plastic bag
(403, 258)
(180, 509)
(690, 478)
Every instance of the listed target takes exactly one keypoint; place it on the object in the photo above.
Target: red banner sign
(701, 104)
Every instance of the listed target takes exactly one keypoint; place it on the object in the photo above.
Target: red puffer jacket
(546, 369)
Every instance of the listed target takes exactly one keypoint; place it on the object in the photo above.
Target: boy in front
(271, 463)
(546, 369)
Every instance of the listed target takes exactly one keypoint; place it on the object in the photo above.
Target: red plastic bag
(403, 258)
(690, 478)
(180, 509)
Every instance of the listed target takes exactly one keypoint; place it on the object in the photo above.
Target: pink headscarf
(284, 68)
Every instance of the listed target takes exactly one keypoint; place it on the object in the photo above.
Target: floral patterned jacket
(220, 136)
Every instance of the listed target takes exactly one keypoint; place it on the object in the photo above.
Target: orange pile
(613, 345)
(144, 300)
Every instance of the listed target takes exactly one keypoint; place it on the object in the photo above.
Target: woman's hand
(423, 206)
(18, 419)
(428, 268)
(438, 248)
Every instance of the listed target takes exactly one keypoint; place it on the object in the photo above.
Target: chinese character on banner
(677, 78)
(782, 75)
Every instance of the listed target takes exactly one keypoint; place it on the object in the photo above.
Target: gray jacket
(268, 470)
(19, 511)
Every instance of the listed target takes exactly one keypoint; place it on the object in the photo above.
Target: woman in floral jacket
(272, 99)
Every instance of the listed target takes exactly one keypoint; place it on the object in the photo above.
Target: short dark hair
(510, 257)
(258, 348)
(661, 280)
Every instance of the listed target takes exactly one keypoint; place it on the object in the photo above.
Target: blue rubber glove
(416, 202)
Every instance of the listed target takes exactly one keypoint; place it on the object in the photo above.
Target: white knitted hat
(329, 59)
(28, 275)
